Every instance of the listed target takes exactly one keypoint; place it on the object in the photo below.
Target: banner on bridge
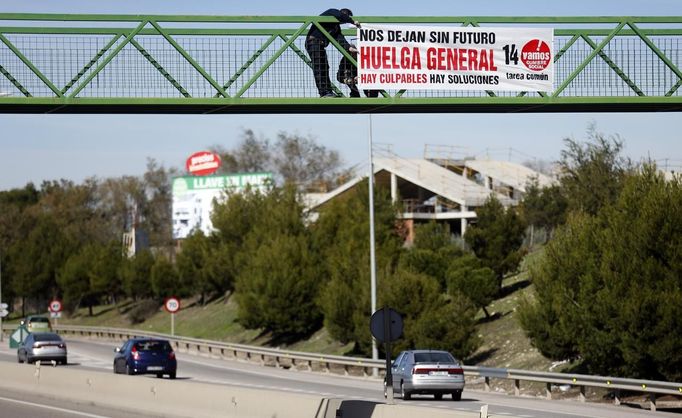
(392, 57)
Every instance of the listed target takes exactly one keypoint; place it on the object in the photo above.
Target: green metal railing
(258, 64)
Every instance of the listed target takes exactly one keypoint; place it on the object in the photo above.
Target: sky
(34, 148)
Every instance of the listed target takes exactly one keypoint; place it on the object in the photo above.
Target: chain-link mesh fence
(264, 66)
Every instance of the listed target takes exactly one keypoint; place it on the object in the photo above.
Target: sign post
(4, 308)
(55, 309)
(172, 305)
(3, 313)
(386, 325)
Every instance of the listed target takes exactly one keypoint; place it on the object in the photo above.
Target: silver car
(42, 346)
(427, 372)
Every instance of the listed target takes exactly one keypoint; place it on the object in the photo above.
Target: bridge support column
(394, 188)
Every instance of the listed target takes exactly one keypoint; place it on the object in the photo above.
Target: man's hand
(356, 23)
(353, 50)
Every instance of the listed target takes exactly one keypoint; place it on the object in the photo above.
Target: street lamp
(372, 255)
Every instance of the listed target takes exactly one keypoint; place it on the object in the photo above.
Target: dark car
(146, 356)
(432, 372)
(42, 346)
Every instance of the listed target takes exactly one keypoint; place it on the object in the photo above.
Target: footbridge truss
(257, 64)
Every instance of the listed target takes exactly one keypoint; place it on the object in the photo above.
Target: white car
(42, 346)
(427, 372)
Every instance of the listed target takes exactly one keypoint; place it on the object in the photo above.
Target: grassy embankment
(504, 343)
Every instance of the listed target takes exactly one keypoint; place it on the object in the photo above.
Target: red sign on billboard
(203, 163)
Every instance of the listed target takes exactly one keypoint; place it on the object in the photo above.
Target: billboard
(392, 57)
(193, 198)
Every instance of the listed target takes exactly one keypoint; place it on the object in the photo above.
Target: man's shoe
(328, 95)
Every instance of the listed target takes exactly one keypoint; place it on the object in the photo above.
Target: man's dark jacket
(333, 28)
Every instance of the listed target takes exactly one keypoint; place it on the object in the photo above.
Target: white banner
(455, 58)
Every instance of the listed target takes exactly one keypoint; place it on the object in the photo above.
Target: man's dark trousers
(318, 56)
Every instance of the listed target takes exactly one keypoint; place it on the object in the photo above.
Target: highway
(97, 356)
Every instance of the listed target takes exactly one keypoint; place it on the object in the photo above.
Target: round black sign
(384, 330)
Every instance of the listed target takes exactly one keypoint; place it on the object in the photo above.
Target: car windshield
(38, 319)
(153, 346)
(433, 358)
(47, 337)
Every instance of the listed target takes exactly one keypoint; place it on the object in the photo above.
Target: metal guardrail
(266, 356)
(356, 366)
(350, 365)
(651, 388)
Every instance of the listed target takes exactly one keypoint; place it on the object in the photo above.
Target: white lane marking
(53, 408)
(184, 359)
(541, 410)
(89, 361)
(275, 388)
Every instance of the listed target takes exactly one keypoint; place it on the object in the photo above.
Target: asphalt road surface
(98, 356)
(19, 405)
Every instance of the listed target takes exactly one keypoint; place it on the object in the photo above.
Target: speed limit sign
(55, 306)
(172, 304)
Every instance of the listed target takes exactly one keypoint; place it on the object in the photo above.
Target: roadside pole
(373, 274)
(2, 332)
(172, 305)
(55, 308)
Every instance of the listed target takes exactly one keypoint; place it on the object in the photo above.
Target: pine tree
(277, 284)
(608, 288)
(496, 238)
(341, 235)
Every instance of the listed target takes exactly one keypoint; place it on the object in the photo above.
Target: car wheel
(159, 375)
(457, 395)
(438, 396)
(385, 390)
(19, 359)
(171, 375)
(404, 394)
(128, 369)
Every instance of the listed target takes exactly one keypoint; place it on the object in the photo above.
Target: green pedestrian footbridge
(76, 63)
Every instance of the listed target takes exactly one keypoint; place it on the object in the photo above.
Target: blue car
(146, 356)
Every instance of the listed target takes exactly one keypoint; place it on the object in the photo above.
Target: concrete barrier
(346, 408)
(161, 396)
(178, 398)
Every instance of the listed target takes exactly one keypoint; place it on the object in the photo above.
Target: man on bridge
(316, 43)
